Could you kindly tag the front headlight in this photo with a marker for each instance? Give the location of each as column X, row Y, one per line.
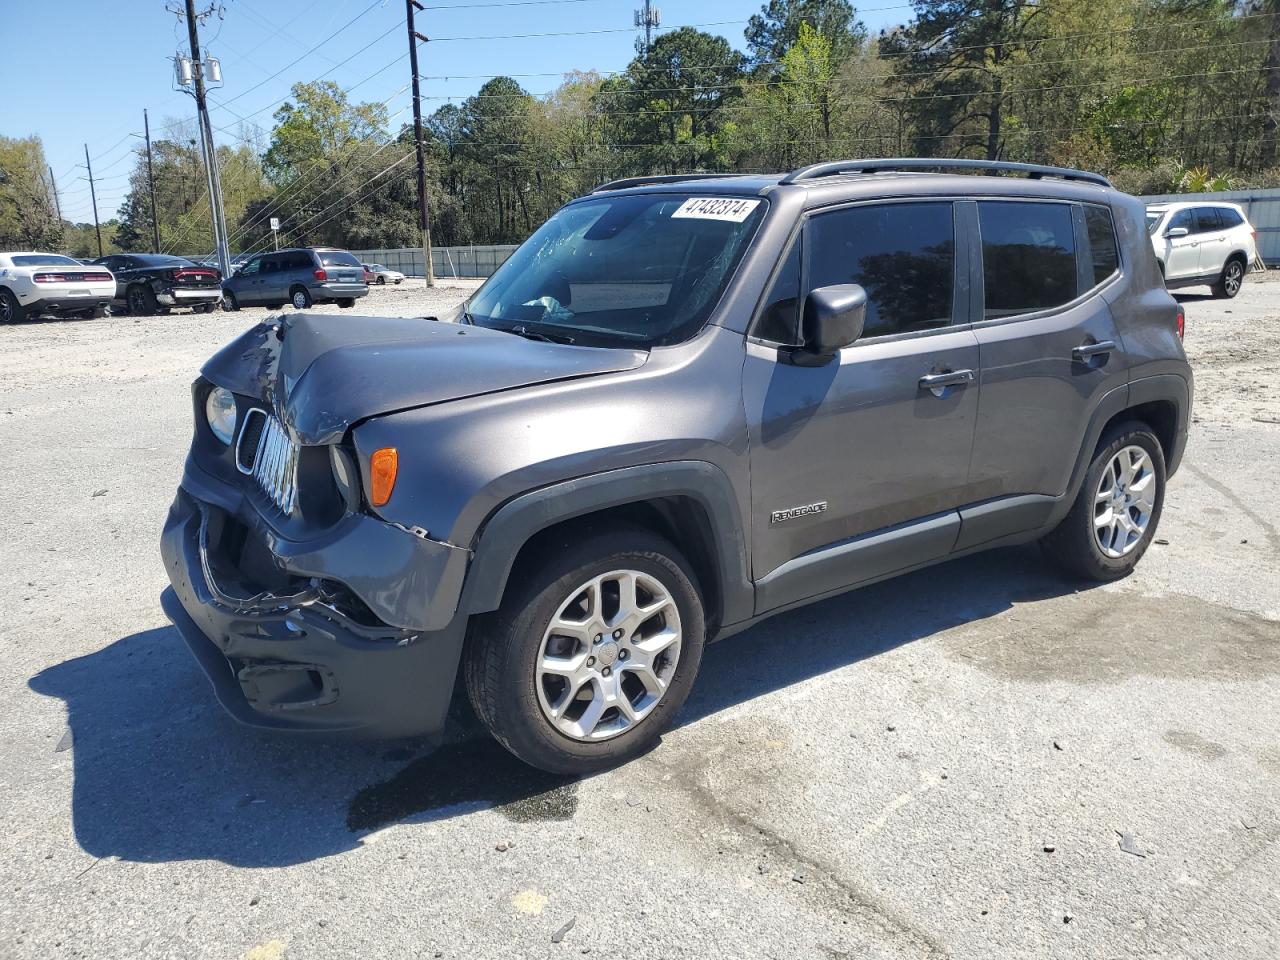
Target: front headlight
column 220, row 411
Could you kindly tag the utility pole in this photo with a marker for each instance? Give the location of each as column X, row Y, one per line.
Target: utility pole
column 57, row 204
column 424, row 212
column 206, row 141
column 650, row 18
column 93, row 194
column 151, row 184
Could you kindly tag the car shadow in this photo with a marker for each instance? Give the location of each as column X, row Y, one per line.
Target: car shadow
column 161, row 773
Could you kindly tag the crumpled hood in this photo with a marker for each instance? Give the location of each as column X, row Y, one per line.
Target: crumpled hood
column 322, row 373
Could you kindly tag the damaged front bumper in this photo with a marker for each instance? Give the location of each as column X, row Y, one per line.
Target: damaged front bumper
column 353, row 632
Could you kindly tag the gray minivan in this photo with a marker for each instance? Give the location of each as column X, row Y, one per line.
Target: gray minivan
column 301, row 276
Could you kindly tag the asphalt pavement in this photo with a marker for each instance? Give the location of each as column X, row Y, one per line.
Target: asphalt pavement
column 979, row 760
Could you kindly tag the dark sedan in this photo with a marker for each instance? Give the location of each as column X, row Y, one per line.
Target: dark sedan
column 150, row 283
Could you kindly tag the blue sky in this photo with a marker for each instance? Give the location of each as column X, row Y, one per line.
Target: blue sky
column 86, row 75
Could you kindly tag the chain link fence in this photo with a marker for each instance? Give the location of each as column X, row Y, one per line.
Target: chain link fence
column 469, row 261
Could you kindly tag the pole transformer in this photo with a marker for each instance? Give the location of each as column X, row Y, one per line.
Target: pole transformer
column 206, row 141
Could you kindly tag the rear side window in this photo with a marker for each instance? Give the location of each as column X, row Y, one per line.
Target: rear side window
column 300, row 260
column 903, row 255
column 1207, row 220
column 1102, row 242
column 1230, row 218
column 1028, row 257
column 780, row 319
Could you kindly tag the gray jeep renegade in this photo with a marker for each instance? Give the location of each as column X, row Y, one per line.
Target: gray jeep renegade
column 684, row 404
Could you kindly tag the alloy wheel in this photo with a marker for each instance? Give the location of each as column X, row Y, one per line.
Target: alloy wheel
column 1124, row 501
column 1233, row 278
column 300, row 300
column 608, row 655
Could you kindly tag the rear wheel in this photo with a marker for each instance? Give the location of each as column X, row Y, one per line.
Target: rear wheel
column 203, row 308
column 11, row 310
column 1231, row 281
column 382, row 281
column 347, row 302
column 591, row 655
column 300, row 297
column 141, row 300
column 1116, row 512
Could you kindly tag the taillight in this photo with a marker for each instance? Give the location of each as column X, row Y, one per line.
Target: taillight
column 49, row 278
column 1182, row 321
column 321, row 274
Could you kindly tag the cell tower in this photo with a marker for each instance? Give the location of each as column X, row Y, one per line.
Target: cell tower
column 650, row 18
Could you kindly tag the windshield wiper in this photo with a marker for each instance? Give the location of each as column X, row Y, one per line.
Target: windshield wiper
column 520, row 330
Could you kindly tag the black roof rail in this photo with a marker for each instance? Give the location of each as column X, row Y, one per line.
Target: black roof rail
column 1035, row 171
column 662, row 178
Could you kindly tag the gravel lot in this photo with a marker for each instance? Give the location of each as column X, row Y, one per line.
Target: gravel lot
column 953, row 763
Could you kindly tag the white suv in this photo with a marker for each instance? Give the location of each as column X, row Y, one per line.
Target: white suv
column 1202, row 243
column 36, row 283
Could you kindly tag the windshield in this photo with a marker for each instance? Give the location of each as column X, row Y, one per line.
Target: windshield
column 1153, row 219
column 639, row 270
column 44, row 260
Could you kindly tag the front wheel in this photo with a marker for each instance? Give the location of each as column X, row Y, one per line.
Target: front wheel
column 1230, row 282
column 1115, row 514
column 229, row 301
column 591, row 655
column 300, row 298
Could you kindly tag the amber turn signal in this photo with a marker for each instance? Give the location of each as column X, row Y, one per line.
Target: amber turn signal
column 382, row 475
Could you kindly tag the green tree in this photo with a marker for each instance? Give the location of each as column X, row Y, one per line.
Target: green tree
column 28, row 214
column 776, row 28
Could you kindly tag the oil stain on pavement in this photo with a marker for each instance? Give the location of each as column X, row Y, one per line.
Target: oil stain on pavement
column 475, row 772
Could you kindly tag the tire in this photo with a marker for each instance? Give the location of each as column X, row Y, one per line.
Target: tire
column 1077, row 543
column 1231, row 280
column 229, row 301
column 141, row 300
column 300, row 297
column 515, row 700
column 101, row 313
column 346, row 303
column 11, row 311
column 382, row 281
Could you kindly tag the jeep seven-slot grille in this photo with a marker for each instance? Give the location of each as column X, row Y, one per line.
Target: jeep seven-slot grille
column 269, row 455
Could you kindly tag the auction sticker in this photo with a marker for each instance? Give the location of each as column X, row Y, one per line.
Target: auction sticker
column 733, row 209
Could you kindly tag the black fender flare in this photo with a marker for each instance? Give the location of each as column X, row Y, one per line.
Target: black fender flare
column 511, row 526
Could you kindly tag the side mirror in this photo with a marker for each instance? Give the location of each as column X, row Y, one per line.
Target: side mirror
column 1173, row 233
column 833, row 318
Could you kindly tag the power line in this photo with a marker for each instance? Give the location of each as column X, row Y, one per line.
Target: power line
column 579, row 33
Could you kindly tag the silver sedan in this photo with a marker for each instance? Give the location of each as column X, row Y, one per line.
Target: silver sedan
column 382, row 275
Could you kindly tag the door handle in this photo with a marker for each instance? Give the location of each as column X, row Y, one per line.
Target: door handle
column 1086, row 351
column 937, row 383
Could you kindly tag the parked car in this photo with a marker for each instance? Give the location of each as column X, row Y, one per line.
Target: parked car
column 383, row 275
column 301, row 276
column 368, row 274
column 150, row 283
column 32, row 284
column 1203, row 243
column 682, row 405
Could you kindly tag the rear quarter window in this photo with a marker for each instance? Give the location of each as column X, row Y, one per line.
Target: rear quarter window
column 1102, row 242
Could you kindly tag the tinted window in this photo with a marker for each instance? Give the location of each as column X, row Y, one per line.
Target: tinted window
column 298, row 260
column 1102, row 242
column 1207, row 220
column 1230, row 218
column 253, row 266
column 779, row 321
column 903, row 255
column 1183, row 219
column 338, row 258
column 1028, row 257
column 1153, row 220
column 161, row 260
